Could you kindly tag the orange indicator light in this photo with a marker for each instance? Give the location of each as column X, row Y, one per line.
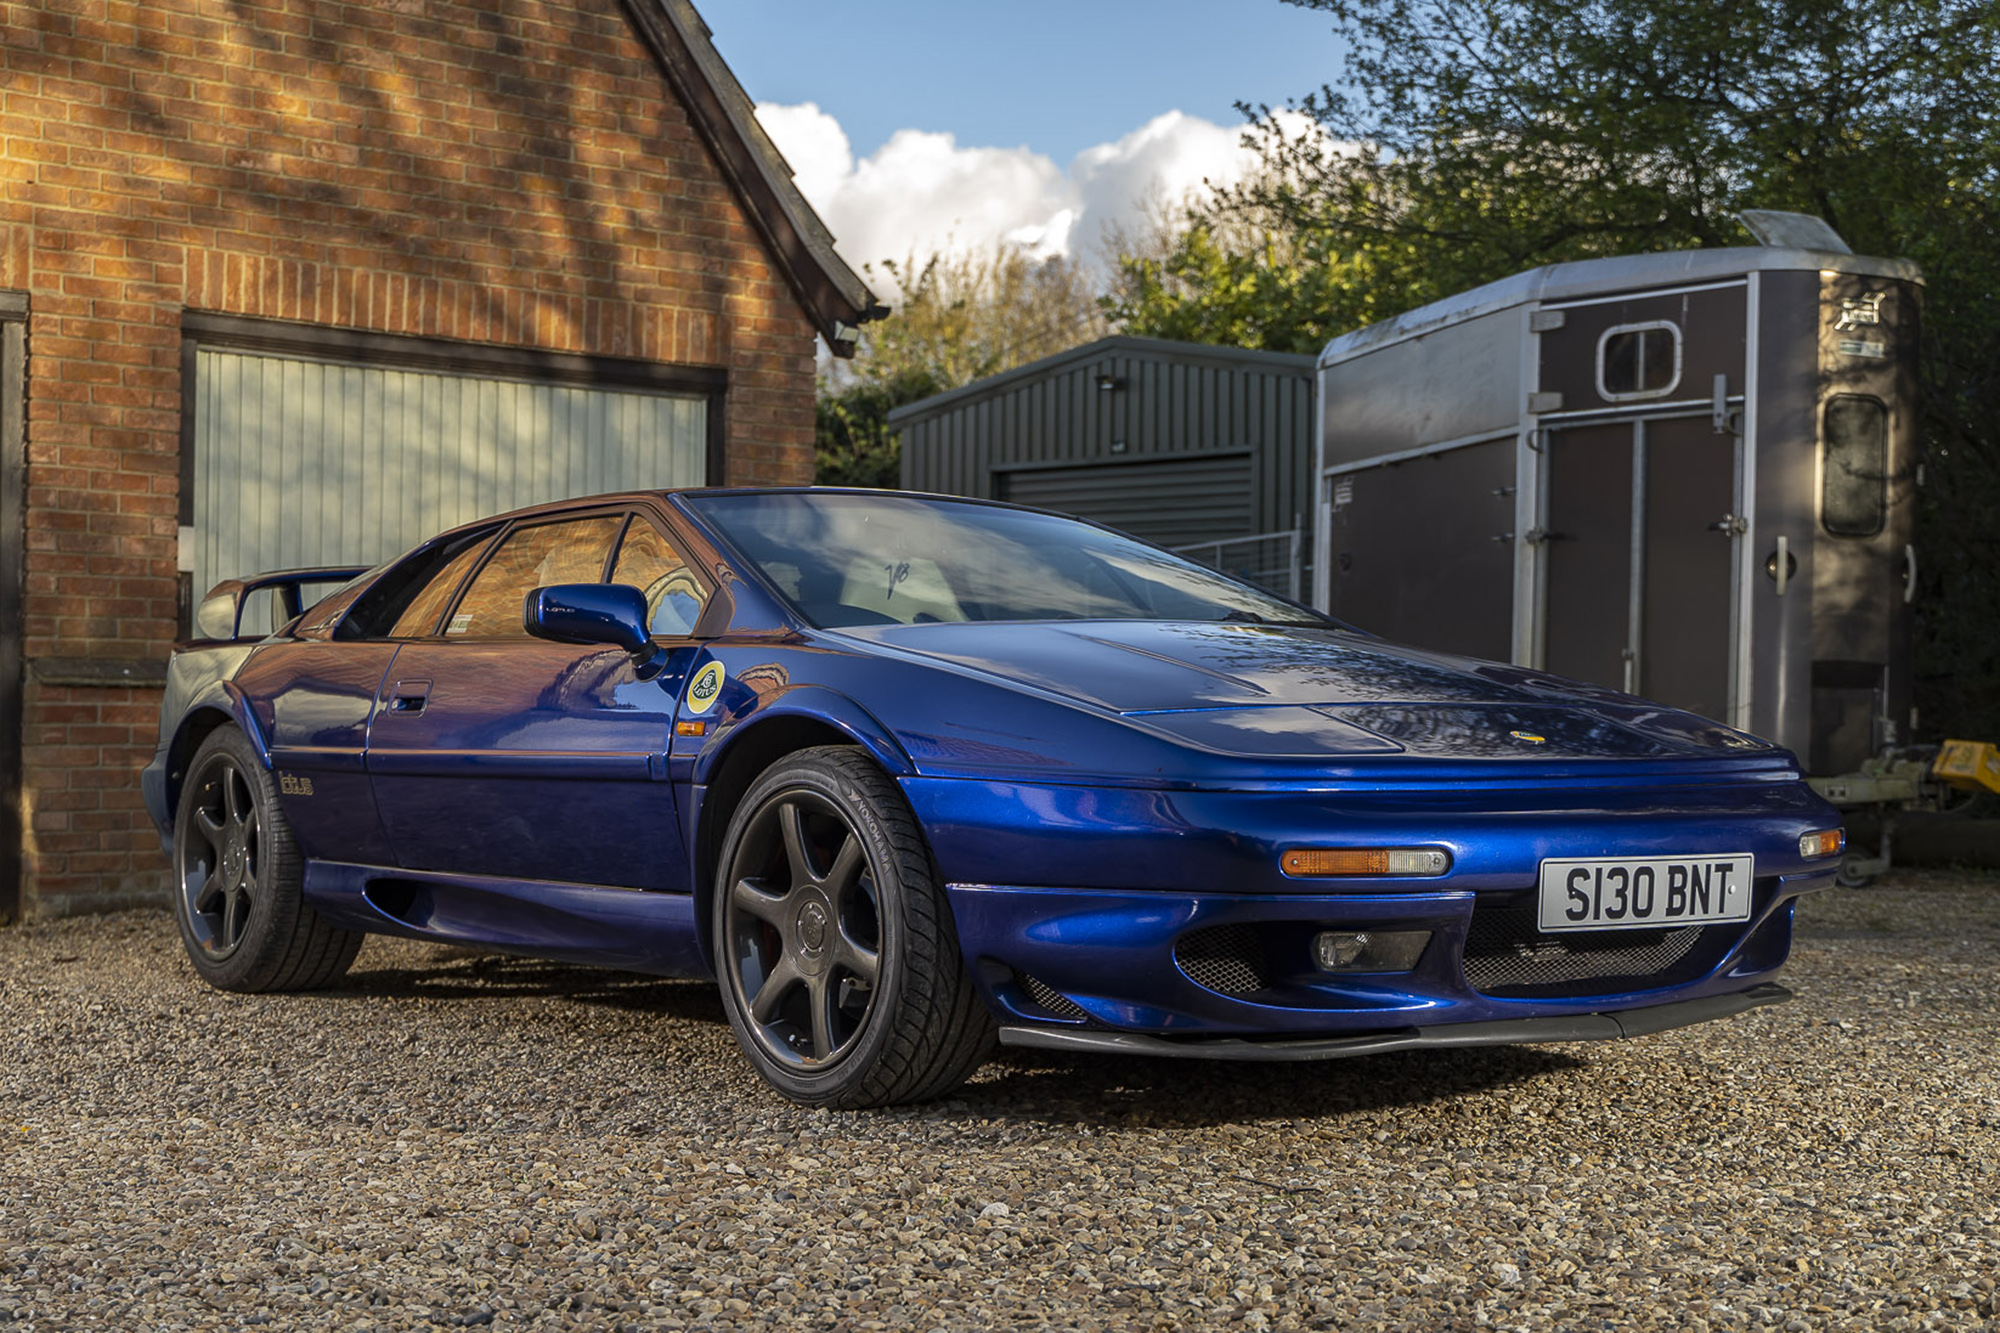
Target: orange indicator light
column 1827, row 842
column 690, row 728
column 1331, row 862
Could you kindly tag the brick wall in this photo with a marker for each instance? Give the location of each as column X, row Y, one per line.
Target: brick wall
column 504, row 171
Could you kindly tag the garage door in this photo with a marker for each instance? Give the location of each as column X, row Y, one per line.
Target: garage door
column 1171, row 502
column 301, row 463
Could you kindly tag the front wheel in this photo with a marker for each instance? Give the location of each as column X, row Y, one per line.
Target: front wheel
column 838, row 959
column 238, row 880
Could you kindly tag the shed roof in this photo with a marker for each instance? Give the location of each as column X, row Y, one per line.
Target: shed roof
column 1233, row 358
column 833, row 294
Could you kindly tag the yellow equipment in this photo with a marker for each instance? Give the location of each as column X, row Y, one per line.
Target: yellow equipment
column 1968, row 765
column 1909, row 779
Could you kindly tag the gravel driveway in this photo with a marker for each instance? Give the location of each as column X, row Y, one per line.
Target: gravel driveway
column 454, row 1141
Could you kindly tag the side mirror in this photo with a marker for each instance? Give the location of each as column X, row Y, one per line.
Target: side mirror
column 612, row 613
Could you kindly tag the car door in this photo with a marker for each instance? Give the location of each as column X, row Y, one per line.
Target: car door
column 493, row 753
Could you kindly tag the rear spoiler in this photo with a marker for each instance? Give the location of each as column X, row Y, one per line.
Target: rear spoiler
column 220, row 615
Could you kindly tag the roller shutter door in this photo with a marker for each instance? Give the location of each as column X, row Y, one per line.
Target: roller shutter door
column 302, row 463
column 1171, row 502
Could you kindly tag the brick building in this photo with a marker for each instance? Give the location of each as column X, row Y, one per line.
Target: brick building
column 232, row 230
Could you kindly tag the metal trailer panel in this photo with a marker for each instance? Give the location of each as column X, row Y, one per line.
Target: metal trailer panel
column 1710, row 342
column 1451, row 515
column 1862, row 583
column 1446, row 384
column 1786, row 410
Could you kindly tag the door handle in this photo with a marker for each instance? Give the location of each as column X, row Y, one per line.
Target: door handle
column 409, row 696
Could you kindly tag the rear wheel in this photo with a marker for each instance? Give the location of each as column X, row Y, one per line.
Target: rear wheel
column 839, row 962
column 238, row 880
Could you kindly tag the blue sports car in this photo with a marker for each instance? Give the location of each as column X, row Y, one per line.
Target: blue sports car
column 908, row 774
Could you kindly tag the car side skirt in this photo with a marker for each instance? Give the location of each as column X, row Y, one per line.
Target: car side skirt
column 1500, row 1032
column 633, row 930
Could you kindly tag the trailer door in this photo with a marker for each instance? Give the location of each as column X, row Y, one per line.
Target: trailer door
column 1640, row 544
column 1642, row 492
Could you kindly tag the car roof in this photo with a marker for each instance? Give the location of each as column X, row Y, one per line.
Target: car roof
column 611, row 499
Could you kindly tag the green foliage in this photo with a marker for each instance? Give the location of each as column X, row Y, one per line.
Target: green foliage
column 1479, row 138
column 855, row 446
column 962, row 317
column 1275, row 293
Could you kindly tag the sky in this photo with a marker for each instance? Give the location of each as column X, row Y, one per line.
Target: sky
column 917, row 127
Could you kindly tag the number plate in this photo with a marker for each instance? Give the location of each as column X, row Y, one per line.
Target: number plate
column 1630, row 893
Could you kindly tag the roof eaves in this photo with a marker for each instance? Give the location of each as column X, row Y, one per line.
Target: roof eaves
column 833, row 294
column 1300, row 362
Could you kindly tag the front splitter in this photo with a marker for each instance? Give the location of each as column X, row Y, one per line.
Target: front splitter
column 1503, row 1032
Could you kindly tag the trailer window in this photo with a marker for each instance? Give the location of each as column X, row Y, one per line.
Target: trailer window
column 1854, row 475
column 1638, row 361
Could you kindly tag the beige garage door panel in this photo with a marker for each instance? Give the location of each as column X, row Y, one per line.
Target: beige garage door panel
column 303, row 463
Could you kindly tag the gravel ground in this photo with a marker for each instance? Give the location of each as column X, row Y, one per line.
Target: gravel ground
column 453, row 1141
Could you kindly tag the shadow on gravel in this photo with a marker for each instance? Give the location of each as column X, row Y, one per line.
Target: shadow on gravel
column 1026, row 1086
column 1043, row 1086
column 498, row 977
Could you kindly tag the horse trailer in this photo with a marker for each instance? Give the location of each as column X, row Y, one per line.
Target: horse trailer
column 1689, row 476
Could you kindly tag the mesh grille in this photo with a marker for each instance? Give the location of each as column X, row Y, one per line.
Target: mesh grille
column 1229, row 959
column 1507, row 954
column 1051, row 999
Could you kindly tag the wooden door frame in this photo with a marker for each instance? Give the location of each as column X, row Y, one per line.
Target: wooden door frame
column 13, row 574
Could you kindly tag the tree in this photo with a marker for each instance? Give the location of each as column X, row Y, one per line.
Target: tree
column 1206, row 275
column 963, row 316
column 1466, row 140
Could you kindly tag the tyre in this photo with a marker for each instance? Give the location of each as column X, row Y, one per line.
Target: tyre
column 835, row 948
column 238, row 880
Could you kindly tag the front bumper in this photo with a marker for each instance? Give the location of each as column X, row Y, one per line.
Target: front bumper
column 1126, row 911
column 1087, row 964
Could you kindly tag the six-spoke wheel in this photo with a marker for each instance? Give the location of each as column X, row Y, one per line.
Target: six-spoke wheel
column 840, row 967
column 218, row 865
column 238, row 879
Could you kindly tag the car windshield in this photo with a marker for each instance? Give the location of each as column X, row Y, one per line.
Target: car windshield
column 846, row 559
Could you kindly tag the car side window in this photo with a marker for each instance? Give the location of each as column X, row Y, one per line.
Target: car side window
column 530, row 558
column 435, row 568
column 420, row 617
column 648, row 561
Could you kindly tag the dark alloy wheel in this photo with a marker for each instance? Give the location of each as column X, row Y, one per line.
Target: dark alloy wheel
column 839, row 964
column 238, row 879
column 218, row 865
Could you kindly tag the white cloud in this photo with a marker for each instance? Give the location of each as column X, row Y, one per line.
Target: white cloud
column 921, row 192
